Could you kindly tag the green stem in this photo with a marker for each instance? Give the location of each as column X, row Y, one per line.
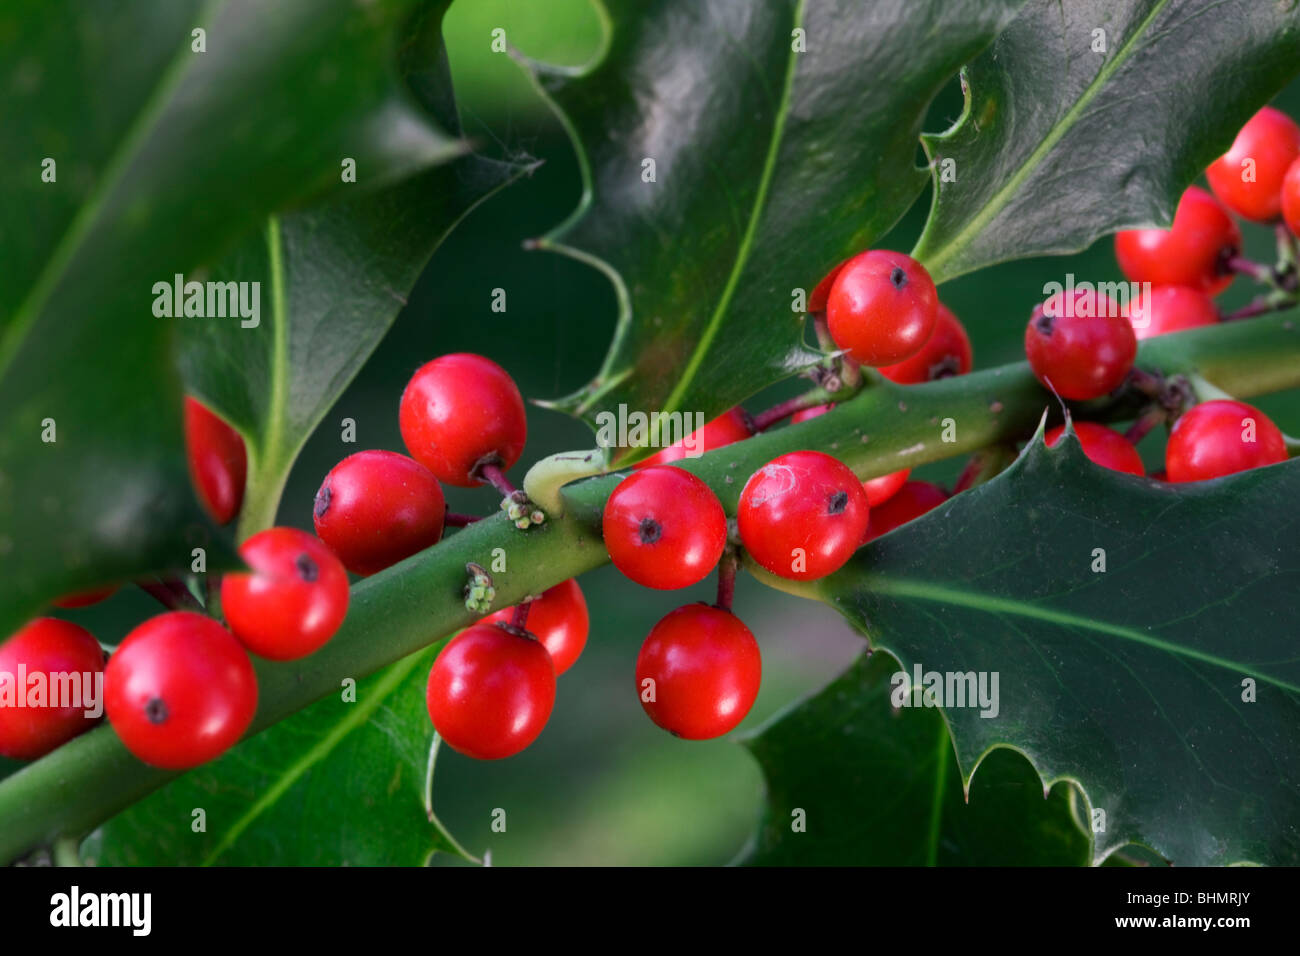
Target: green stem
column 411, row 605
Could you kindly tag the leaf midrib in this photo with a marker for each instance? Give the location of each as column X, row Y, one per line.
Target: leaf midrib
column 751, row 229
column 355, row 716
column 994, row 206
column 926, row 591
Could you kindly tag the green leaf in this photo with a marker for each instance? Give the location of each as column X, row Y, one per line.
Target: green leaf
column 336, row 276
column 337, row 784
column 770, row 166
column 880, row 786
column 1166, row 685
column 165, row 158
column 1090, row 116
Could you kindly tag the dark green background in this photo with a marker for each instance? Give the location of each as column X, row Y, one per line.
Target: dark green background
column 603, row 785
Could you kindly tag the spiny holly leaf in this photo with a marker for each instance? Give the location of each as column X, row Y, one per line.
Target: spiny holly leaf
column 338, row 784
column 1090, row 116
column 197, row 138
column 733, row 151
column 1143, row 634
column 335, row 276
column 869, row 783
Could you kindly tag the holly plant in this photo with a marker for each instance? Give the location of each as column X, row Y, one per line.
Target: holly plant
column 1079, row 649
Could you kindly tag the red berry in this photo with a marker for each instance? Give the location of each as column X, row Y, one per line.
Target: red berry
column 490, row 692
column 85, row 598
column 558, row 619
column 69, row 658
column 882, row 307
column 1104, row 446
column 1291, row 198
column 1171, row 308
column 879, row 489
column 947, row 352
column 802, row 515
column 179, row 690
column 376, row 508
column 217, row 459
column 1193, row 251
column 698, row 672
column 912, row 500
column 1083, row 348
column 293, row 601
column 822, row 292
column 664, row 528
column 728, row 428
column 460, row 411
column 1248, row 177
column 1219, row 438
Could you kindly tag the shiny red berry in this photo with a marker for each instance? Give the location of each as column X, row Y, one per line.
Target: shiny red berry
column 1291, row 198
column 490, row 692
column 461, row 411
column 1248, row 177
column 912, row 500
column 802, row 515
column 1220, row 438
column 1171, row 308
column 1193, row 251
column 698, row 672
column 1103, row 446
column 217, row 459
column 37, row 716
column 375, row 508
column 179, row 690
column 946, row 352
column 727, row 429
column 558, row 619
column 294, row 599
column 664, row 528
column 1083, row 347
column 882, row 307
column 879, row 490
column 85, row 598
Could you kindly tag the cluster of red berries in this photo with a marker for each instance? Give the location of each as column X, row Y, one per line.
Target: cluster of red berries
column 1083, row 345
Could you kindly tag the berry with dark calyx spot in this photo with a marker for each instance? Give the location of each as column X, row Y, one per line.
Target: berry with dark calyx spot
column 1248, row 177
column 1082, row 347
column 698, row 672
column 179, row 690
column 558, row 619
column 218, row 461
column 802, row 515
column 912, row 500
column 376, row 508
column 1193, row 251
column 946, row 353
column 1221, row 437
column 728, row 428
column 664, row 528
column 491, row 691
column 1171, row 308
column 879, row 490
column 69, row 657
column 1104, row 446
column 460, row 412
column 294, row 599
column 882, row 307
